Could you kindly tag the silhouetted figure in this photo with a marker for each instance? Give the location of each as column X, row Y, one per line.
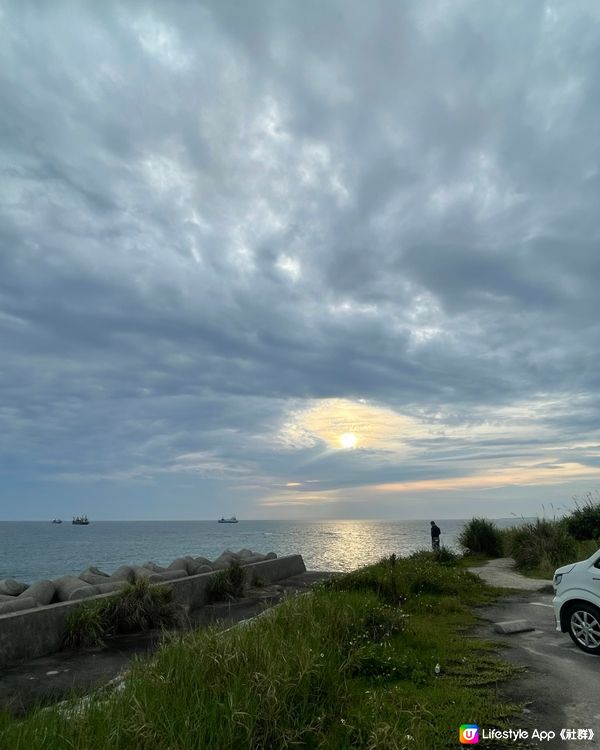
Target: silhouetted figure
column 435, row 536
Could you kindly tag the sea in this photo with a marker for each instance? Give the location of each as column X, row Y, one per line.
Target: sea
column 31, row 550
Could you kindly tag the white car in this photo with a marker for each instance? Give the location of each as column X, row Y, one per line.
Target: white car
column 577, row 602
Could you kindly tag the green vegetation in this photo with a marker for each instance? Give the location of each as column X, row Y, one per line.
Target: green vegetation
column 481, row 537
column 139, row 606
column 343, row 667
column 144, row 606
column 227, row 584
column 443, row 556
column 583, row 523
column 88, row 626
column 540, row 546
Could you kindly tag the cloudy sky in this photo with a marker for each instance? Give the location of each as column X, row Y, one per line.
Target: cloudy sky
column 298, row 260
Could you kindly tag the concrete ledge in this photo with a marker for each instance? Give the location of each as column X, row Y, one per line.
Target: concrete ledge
column 191, row 591
column 37, row 632
column 510, row 627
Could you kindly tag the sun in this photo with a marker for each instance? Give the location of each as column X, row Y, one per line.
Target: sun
column 348, row 440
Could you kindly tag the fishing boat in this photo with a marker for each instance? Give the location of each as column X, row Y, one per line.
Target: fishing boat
column 56, row 520
column 233, row 519
column 80, row 520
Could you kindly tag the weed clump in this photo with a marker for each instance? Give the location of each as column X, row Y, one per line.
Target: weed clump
column 143, row 606
column 138, row 607
column 481, row 537
column 227, row 584
column 88, row 626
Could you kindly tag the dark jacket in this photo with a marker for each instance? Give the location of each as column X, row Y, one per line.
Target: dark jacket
column 435, row 531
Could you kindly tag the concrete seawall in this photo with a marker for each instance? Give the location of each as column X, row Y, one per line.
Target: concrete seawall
column 37, row 632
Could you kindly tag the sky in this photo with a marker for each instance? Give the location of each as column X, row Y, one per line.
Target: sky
column 314, row 260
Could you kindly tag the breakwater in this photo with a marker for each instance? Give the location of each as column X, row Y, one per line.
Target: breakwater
column 16, row 596
column 39, row 629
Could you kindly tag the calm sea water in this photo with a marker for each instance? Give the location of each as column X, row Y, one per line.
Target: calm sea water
column 30, row 550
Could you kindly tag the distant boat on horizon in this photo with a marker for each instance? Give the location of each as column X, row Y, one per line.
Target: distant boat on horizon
column 56, row 520
column 233, row 519
column 80, row 520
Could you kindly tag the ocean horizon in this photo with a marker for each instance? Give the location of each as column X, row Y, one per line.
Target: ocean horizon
column 32, row 550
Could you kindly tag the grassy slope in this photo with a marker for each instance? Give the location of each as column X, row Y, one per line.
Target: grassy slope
column 344, row 667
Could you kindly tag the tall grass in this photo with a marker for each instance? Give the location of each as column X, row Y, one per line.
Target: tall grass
column 139, row 606
column 88, row 626
column 144, row 606
column 226, row 584
column 481, row 537
column 583, row 523
column 343, row 667
column 542, row 545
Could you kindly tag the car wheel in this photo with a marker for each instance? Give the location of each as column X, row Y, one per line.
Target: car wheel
column 584, row 627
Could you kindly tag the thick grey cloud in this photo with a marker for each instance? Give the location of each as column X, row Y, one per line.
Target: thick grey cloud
column 214, row 216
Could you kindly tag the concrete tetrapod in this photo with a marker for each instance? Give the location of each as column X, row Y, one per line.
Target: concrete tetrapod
column 85, row 592
column 151, row 565
column 181, row 563
column 41, row 591
column 10, row 587
column 66, row 585
column 124, row 573
column 93, row 575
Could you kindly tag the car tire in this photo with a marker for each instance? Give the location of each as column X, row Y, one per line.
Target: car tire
column 584, row 627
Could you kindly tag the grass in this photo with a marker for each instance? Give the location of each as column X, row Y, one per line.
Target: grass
column 351, row 665
column 139, row 606
column 540, row 546
column 481, row 537
column 472, row 561
column 583, row 522
column 545, row 567
column 88, row 626
column 227, row 584
column 144, row 606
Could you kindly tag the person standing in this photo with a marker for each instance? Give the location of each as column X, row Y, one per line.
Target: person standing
column 435, row 536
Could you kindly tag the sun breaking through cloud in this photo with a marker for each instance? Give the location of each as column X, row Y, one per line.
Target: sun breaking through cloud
column 327, row 259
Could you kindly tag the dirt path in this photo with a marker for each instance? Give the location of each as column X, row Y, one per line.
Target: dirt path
column 501, row 573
